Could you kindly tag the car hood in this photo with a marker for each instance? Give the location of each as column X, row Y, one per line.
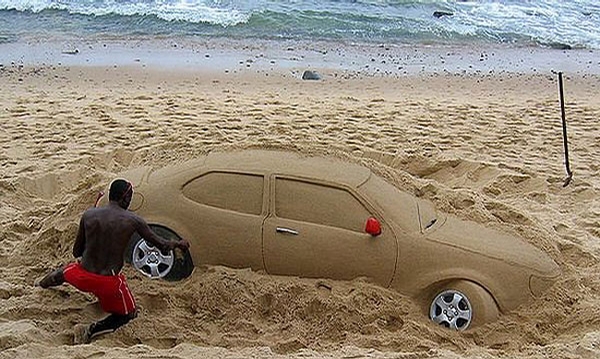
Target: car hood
column 473, row 237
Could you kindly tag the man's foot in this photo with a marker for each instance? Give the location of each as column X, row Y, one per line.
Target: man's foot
column 81, row 334
column 52, row 279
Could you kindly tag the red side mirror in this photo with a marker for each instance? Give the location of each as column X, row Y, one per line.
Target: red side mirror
column 373, row 227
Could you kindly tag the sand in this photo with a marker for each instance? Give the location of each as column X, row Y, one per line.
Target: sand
column 480, row 138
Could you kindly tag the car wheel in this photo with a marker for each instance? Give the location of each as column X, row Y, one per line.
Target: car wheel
column 461, row 305
column 153, row 263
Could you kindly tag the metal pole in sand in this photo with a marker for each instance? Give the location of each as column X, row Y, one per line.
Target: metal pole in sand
column 564, row 126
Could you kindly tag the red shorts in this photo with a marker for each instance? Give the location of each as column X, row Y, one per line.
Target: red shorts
column 112, row 291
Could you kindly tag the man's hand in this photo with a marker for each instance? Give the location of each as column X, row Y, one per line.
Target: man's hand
column 182, row 244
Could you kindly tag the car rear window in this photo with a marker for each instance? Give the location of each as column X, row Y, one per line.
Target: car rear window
column 237, row 192
column 320, row 204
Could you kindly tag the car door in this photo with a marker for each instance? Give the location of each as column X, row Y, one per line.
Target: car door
column 317, row 230
column 226, row 210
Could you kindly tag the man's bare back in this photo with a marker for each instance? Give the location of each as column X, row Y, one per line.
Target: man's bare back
column 104, row 234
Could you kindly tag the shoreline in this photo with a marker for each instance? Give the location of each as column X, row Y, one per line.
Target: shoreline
column 228, row 55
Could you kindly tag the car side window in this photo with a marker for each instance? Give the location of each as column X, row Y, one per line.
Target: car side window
column 320, row 204
column 237, row 192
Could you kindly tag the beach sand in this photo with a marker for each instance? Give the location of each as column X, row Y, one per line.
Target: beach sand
column 478, row 134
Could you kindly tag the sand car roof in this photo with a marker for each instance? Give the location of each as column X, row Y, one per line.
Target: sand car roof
column 273, row 162
column 290, row 163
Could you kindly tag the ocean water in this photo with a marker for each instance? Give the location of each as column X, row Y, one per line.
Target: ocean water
column 546, row 23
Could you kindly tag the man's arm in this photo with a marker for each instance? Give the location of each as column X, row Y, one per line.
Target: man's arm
column 79, row 245
column 145, row 232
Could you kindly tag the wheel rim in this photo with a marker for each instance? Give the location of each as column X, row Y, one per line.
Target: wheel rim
column 452, row 309
column 150, row 261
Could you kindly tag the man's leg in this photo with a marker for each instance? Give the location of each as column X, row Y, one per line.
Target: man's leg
column 110, row 324
column 85, row 333
column 52, row 279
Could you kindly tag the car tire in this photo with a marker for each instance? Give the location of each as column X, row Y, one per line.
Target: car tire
column 181, row 265
column 461, row 305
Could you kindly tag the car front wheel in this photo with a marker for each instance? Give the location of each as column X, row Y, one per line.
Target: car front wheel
column 154, row 263
column 461, row 305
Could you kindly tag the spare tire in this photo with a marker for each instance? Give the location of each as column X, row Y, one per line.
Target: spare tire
column 461, row 305
column 173, row 265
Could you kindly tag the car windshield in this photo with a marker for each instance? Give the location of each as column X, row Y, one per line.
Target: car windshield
column 428, row 215
column 397, row 205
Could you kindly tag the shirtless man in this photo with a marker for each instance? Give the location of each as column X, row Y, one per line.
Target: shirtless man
column 102, row 239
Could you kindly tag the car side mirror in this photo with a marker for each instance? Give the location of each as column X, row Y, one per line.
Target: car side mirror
column 373, row 227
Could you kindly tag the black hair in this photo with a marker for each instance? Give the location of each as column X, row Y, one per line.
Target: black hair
column 118, row 189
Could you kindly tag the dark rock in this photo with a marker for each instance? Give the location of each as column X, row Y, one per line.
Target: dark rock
column 559, row 46
column 310, row 75
column 439, row 14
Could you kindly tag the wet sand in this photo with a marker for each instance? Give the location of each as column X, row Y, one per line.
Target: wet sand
column 480, row 138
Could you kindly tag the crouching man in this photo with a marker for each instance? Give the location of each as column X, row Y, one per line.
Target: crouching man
column 102, row 239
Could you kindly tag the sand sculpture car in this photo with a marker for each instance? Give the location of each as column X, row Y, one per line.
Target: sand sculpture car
column 286, row 214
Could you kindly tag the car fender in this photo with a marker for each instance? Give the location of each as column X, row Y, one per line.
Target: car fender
column 419, row 274
column 494, row 286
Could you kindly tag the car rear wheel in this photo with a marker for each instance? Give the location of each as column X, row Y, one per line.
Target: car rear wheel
column 154, row 263
column 462, row 305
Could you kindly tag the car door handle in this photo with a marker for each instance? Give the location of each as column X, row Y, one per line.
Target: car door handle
column 286, row 230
